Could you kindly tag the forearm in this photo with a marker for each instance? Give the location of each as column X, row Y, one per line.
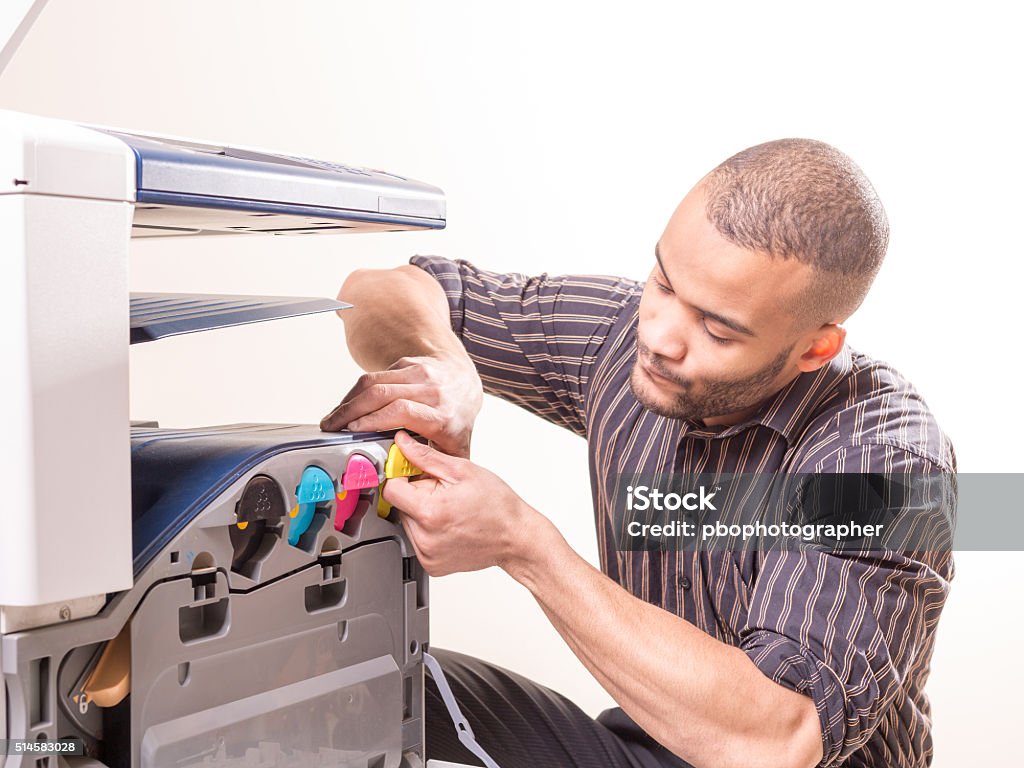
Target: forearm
column 419, row 376
column 702, row 699
column 396, row 313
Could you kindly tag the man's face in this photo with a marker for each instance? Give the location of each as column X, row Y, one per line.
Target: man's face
column 716, row 334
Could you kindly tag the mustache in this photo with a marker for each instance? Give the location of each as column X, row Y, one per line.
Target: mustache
column 655, row 363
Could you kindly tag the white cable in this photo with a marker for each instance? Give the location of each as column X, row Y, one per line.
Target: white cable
column 461, row 724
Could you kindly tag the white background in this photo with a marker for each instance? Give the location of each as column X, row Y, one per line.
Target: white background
column 564, row 134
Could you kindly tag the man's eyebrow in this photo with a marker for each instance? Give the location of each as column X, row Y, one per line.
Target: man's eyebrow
column 657, row 255
column 727, row 322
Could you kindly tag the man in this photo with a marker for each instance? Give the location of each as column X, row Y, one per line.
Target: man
column 730, row 358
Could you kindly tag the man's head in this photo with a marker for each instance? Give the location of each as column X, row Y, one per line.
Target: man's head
column 754, row 273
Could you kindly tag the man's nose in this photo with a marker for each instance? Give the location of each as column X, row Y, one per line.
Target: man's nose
column 666, row 341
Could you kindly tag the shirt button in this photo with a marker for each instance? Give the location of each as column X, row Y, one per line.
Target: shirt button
column 684, row 582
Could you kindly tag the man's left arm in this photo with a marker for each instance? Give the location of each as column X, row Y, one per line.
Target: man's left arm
column 702, row 699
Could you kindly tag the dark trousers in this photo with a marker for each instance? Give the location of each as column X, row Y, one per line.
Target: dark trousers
column 524, row 725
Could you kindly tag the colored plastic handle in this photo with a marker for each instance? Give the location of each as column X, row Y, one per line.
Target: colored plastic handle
column 399, row 466
column 359, row 474
column 316, row 486
column 383, row 507
column 345, row 507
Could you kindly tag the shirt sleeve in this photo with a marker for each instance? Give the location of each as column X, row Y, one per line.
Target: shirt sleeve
column 845, row 627
column 534, row 340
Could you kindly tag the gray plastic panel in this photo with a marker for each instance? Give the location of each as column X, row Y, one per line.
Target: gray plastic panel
column 156, row 315
column 270, row 645
column 362, row 700
column 223, row 643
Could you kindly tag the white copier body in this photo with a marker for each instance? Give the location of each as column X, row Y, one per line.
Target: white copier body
column 192, row 602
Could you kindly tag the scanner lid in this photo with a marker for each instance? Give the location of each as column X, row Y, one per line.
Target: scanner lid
column 184, row 187
column 188, row 187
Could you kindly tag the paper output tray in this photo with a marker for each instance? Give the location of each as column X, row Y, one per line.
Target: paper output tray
column 155, row 315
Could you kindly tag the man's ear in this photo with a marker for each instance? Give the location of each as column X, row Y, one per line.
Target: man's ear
column 826, row 343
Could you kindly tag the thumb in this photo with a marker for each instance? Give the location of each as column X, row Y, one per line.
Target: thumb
column 430, row 460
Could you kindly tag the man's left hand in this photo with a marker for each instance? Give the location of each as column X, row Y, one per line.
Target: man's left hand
column 459, row 516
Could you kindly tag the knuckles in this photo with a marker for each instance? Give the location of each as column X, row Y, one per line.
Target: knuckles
column 430, row 375
column 434, row 517
column 406, row 362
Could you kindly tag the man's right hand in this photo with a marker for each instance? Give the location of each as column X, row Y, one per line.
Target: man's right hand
column 438, row 396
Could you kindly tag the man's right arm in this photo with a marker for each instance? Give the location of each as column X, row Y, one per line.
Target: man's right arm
column 433, row 332
column 419, row 376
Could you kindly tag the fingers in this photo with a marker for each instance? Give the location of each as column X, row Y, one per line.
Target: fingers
column 430, row 460
column 412, row 494
column 407, row 370
column 406, row 414
column 415, row 534
column 403, row 495
column 373, row 397
column 370, row 378
column 417, row 514
column 374, row 400
column 420, row 539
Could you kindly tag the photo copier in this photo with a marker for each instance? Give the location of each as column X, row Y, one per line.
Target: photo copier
column 230, row 596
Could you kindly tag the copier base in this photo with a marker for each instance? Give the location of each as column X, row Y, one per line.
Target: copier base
column 236, row 647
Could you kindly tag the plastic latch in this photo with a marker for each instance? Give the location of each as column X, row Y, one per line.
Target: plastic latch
column 383, row 507
column 261, row 502
column 315, row 487
column 399, row 466
column 360, row 474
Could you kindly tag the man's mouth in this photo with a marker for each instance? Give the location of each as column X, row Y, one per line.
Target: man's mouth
column 658, row 378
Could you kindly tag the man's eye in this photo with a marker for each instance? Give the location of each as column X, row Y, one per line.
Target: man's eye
column 661, row 287
column 716, row 339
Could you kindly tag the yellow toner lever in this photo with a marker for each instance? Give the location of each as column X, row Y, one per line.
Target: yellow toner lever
column 395, row 466
column 399, row 466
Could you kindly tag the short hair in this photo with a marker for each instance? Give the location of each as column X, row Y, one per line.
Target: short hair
column 806, row 200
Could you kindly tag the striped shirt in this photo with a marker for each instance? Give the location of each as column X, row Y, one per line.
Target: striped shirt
column 854, row 633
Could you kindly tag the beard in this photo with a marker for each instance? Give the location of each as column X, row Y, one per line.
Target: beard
column 717, row 397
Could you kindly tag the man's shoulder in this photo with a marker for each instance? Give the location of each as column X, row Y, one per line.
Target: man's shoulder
column 874, row 409
column 466, row 275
